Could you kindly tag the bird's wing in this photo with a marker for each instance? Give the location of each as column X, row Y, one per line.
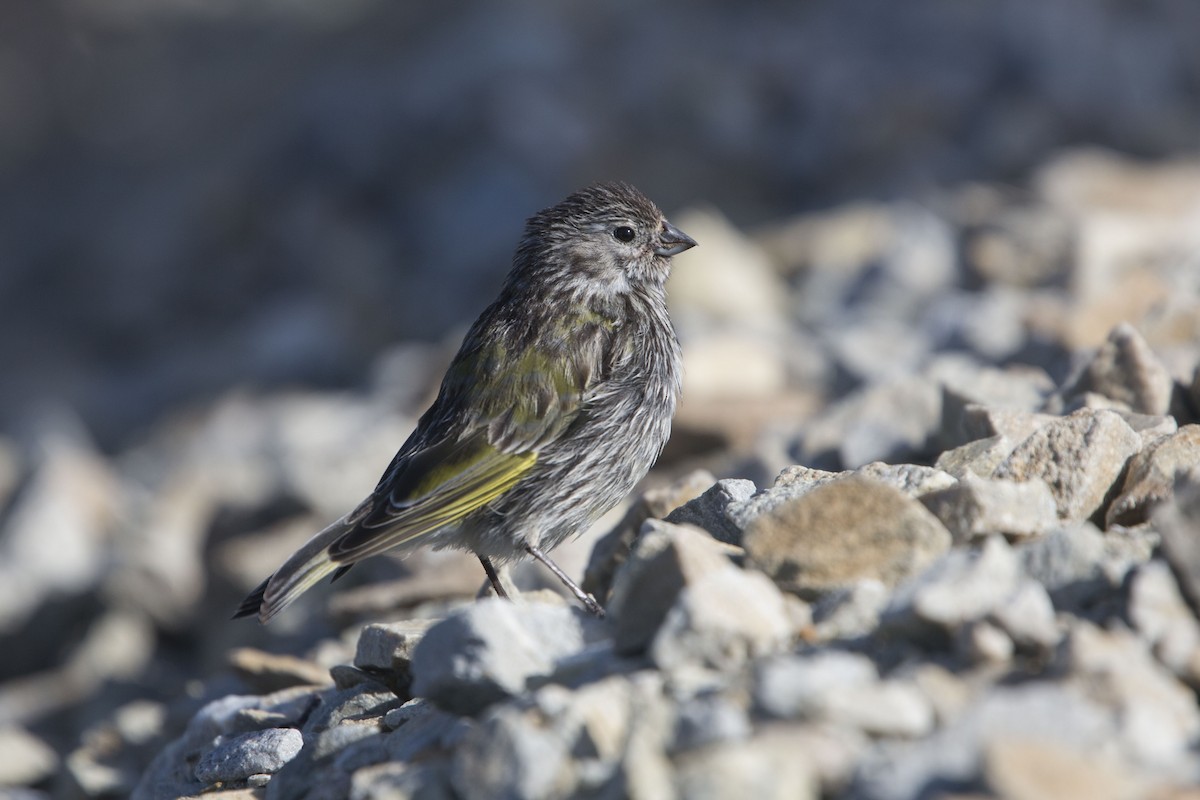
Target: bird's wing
column 509, row 410
column 430, row 489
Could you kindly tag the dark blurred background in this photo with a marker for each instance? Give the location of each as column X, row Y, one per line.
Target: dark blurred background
column 201, row 194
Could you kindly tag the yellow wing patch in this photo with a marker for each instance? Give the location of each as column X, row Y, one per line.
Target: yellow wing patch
column 440, row 487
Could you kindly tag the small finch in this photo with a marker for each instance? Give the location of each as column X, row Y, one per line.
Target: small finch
column 558, row 402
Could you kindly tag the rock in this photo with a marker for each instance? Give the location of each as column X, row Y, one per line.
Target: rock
column 979, row 457
column 772, row 766
column 1159, row 613
column 255, row 753
column 1027, row 617
column 982, row 642
column 1150, row 427
column 887, row 421
column 974, row 398
column 850, row 612
column 1159, row 718
column 1177, row 523
column 1125, row 369
column 842, row 689
column 950, row 755
column 722, row 620
column 1152, row 474
column 27, row 760
column 512, row 754
column 271, row 672
column 386, row 649
column 171, row 773
column 343, row 734
column 665, row 559
column 792, row 686
column 708, row 719
column 974, row 422
column 960, row 587
column 976, row 507
column 708, row 511
column 612, row 550
column 843, row 532
column 490, row 650
column 1016, row 768
column 912, row 479
column 428, row 780
column 879, row 350
column 734, row 364
column 56, row 530
column 710, row 294
column 1068, row 562
column 1080, row 457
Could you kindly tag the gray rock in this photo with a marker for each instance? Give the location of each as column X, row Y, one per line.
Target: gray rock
column 709, row 719
column 341, row 735
column 418, row 731
column 975, row 421
column 974, row 398
column 842, row 689
column 386, row 650
column 793, row 686
column 1177, row 523
column 27, row 759
column 665, row 559
column 255, row 753
column 1159, row 718
column 981, row 642
column 962, row 586
column 1160, row 615
column 427, row 780
column 887, row 421
column 491, row 649
column 1125, row 369
column 1152, row 475
column 797, row 480
column 843, row 532
column 708, row 511
column 1080, row 457
column 976, row 507
column 850, row 612
column 56, row 530
column 1068, row 562
column 1151, row 427
column 612, row 550
column 914, row 480
column 979, row 457
column 511, row 754
column 722, row 620
column 1027, row 617
column 1041, row 711
column 171, row 772
column 773, row 765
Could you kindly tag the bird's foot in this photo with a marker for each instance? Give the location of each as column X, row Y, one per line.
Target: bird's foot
column 589, row 602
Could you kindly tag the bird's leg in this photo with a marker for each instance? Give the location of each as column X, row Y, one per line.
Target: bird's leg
column 493, row 576
column 588, row 601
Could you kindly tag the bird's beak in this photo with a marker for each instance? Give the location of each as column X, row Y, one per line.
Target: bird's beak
column 672, row 241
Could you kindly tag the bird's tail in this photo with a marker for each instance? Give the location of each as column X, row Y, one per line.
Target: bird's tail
column 298, row 574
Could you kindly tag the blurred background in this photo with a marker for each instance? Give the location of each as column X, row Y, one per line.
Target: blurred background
column 239, row 242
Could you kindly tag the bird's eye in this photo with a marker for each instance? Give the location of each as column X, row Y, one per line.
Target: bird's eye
column 623, row 233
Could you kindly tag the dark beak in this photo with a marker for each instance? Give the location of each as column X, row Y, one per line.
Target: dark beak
column 672, row 241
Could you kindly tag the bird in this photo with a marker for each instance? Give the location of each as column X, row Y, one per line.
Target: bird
column 558, row 402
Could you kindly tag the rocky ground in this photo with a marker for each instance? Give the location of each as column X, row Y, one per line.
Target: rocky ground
column 953, row 550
